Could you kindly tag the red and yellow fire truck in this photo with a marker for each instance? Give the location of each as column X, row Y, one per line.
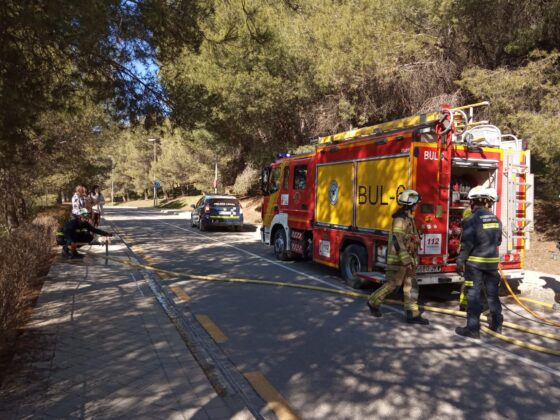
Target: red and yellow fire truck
column 334, row 205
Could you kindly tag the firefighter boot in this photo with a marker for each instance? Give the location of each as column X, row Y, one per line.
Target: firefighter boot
column 495, row 323
column 374, row 310
column 415, row 319
column 65, row 251
column 465, row 332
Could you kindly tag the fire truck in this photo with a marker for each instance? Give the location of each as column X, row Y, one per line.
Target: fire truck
column 334, row 205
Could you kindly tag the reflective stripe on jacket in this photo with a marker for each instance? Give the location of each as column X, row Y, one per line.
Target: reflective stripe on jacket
column 482, row 235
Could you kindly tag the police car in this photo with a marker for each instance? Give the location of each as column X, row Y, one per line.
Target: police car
column 217, row 211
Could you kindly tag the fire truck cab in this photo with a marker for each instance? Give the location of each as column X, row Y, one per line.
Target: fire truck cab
column 335, row 204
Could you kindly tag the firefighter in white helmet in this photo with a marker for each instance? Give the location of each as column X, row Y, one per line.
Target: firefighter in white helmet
column 478, row 260
column 492, row 198
column 402, row 260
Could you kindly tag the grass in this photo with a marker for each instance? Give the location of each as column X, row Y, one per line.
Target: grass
column 181, row 203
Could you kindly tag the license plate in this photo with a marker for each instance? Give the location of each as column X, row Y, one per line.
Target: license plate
column 428, row 269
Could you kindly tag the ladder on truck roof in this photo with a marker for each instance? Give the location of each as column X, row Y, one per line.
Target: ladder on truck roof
column 400, row 124
column 518, row 185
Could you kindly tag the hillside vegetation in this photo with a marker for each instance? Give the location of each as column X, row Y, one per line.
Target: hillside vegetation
column 85, row 85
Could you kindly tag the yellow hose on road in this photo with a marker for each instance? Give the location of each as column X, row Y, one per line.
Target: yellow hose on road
column 536, row 302
column 520, row 343
column 452, row 312
column 536, row 315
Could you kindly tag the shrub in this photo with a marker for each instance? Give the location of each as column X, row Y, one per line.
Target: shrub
column 247, row 182
column 24, row 255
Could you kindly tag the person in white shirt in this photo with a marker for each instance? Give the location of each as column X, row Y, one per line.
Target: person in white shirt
column 98, row 201
column 78, row 201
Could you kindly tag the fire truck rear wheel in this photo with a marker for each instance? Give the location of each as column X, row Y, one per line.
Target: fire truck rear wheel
column 353, row 260
column 280, row 245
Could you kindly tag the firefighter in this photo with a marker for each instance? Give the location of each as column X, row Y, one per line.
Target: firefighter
column 76, row 232
column 463, row 293
column 478, row 261
column 402, row 259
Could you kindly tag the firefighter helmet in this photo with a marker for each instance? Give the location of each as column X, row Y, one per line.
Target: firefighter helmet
column 409, row 198
column 492, row 194
column 480, row 193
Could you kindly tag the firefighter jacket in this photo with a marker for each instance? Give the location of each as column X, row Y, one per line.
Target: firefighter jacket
column 404, row 240
column 74, row 227
column 482, row 234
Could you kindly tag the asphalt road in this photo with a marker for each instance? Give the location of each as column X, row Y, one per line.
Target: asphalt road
column 323, row 353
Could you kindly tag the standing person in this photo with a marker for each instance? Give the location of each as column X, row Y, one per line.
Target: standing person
column 98, row 201
column 402, row 260
column 463, row 292
column 478, row 261
column 78, row 200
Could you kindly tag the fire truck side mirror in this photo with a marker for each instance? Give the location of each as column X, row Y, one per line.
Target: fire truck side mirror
column 265, row 175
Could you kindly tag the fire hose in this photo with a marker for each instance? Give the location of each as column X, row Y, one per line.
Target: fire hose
column 517, row 327
column 520, row 303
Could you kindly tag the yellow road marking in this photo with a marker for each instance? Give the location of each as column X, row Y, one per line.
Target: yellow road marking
column 138, row 249
column 180, row 293
column 275, row 401
column 149, row 259
column 211, row 328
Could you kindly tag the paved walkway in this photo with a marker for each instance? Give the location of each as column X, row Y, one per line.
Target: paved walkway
column 100, row 346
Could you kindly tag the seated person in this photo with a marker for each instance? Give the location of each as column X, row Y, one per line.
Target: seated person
column 77, row 232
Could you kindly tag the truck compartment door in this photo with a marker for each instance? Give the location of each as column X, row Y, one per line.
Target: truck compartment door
column 379, row 182
column 335, row 189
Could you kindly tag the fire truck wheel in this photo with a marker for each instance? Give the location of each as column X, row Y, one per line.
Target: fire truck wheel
column 280, row 249
column 353, row 260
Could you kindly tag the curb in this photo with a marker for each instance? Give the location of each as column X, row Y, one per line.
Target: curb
column 220, row 371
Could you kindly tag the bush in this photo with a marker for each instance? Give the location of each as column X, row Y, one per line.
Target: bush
column 24, row 255
column 247, row 182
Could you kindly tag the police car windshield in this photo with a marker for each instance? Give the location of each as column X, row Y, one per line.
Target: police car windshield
column 223, row 202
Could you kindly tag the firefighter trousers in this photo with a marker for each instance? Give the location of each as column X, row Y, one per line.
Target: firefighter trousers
column 395, row 277
column 477, row 280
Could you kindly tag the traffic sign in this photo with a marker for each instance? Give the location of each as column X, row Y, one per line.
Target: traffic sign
column 157, row 184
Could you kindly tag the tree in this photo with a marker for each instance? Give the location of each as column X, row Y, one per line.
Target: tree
column 526, row 100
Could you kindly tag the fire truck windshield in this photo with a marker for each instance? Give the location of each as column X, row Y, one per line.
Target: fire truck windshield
column 274, row 184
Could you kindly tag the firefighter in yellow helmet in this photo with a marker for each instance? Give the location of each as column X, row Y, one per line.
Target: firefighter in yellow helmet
column 402, row 260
